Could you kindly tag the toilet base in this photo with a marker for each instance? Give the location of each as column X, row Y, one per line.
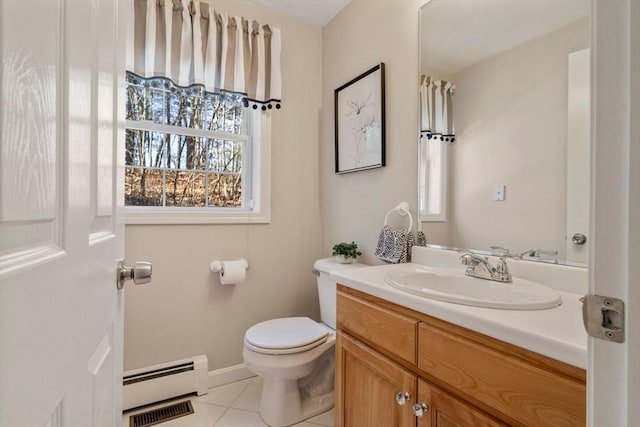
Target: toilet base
column 289, row 401
column 283, row 404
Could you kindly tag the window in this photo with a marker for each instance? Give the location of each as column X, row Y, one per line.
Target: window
column 193, row 156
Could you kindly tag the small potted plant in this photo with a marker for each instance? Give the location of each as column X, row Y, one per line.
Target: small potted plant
column 346, row 253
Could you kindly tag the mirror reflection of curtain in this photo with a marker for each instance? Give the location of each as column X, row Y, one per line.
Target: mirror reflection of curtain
column 436, row 132
column 436, row 109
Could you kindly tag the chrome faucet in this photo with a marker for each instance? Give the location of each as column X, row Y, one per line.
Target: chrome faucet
column 542, row 255
column 480, row 267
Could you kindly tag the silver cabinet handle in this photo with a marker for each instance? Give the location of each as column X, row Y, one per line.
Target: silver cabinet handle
column 579, row 239
column 140, row 273
column 419, row 409
column 402, row 398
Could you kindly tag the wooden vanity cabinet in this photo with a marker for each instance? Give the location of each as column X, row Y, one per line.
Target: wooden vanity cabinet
column 448, row 375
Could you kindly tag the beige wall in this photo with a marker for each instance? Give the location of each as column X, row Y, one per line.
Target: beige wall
column 184, row 311
column 364, row 34
column 511, row 123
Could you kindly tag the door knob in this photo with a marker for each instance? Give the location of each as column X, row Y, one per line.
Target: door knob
column 140, row 273
column 402, row 398
column 419, row 409
column 579, row 239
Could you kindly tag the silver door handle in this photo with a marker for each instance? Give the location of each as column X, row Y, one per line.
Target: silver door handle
column 579, row 239
column 140, row 273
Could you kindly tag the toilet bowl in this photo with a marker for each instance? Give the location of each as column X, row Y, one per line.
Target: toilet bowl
column 295, row 357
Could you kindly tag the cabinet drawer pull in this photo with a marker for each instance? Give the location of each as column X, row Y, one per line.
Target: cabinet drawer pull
column 419, row 409
column 402, row 398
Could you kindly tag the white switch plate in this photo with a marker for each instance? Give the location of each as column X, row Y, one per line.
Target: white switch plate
column 498, row 193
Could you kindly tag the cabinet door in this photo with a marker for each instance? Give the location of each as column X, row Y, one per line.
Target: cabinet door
column 366, row 387
column 443, row 410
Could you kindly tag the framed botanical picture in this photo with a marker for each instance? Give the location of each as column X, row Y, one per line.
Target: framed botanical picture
column 359, row 122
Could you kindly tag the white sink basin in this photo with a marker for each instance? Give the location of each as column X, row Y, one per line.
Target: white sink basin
column 453, row 286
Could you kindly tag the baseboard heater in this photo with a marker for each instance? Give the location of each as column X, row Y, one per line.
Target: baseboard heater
column 165, row 381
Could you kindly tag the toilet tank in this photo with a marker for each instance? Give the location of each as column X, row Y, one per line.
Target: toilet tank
column 327, row 288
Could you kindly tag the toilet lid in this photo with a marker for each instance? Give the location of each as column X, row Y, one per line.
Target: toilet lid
column 286, row 335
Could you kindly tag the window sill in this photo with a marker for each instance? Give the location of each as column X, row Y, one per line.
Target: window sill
column 190, row 216
column 433, row 218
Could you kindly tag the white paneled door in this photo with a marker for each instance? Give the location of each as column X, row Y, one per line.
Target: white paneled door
column 61, row 135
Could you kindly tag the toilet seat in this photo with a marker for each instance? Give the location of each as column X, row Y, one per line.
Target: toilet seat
column 287, row 335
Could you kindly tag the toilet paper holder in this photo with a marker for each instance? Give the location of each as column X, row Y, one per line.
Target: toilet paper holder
column 218, row 267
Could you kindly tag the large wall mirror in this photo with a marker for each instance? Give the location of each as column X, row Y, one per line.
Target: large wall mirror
column 514, row 171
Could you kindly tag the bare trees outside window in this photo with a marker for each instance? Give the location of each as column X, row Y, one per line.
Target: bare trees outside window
column 185, row 147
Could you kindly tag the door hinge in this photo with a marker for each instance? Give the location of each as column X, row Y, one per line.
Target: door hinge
column 603, row 317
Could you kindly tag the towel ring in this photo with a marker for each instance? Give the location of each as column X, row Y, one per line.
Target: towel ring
column 402, row 209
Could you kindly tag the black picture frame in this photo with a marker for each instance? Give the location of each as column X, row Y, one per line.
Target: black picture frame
column 360, row 122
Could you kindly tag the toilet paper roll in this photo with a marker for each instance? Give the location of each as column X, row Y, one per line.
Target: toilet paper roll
column 233, row 272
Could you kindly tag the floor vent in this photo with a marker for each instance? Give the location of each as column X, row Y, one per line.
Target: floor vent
column 160, row 415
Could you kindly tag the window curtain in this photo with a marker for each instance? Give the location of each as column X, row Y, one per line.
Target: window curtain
column 190, row 43
column 436, row 110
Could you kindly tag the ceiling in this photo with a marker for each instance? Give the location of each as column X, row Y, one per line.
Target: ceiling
column 488, row 26
column 316, row 12
column 459, row 33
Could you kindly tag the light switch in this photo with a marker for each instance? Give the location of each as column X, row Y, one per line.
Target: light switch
column 498, row 193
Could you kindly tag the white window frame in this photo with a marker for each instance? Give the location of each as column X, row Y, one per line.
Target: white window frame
column 432, row 179
column 258, row 202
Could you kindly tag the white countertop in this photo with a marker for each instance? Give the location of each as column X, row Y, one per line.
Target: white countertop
column 557, row 332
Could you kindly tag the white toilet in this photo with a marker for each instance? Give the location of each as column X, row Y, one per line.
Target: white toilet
column 295, row 356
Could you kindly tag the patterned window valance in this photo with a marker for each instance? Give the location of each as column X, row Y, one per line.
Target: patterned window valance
column 191, row 44
column 436, row 110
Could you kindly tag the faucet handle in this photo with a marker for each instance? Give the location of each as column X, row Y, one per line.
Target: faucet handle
column 502, row 249
column 535, row 253
column 465, row 259
column 471, row 259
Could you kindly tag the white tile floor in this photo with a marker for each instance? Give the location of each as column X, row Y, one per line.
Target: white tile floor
column 230, row 405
